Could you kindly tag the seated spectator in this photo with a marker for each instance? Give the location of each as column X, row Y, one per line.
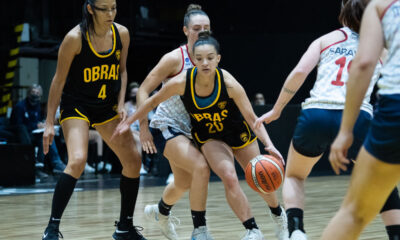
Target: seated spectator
column 28, row 113
column 259, row 99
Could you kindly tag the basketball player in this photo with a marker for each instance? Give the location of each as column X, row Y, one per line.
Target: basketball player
column 170, row 127
column 216, row 102
column 321, row 113
column 91, row 79
column 377, row 169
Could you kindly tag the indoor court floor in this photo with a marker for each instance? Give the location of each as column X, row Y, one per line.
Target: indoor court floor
column 91, row 213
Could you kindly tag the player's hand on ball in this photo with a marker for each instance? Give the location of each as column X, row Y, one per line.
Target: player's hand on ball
column 274, row 152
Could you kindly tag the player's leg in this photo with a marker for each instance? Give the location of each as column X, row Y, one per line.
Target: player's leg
column 298, row 167
column 371, row 182
column 278, row 214
column 76, row 137
column 221, row 160
column 191, row 171
column 124, row 147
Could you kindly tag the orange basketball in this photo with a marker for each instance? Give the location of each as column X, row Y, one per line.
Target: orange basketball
column 264, row 173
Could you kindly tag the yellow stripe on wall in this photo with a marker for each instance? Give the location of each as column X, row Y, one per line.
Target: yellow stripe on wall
column 19, row 28
column 9, row 75
column 12, row 63
column 6, row 97
column 14, row 51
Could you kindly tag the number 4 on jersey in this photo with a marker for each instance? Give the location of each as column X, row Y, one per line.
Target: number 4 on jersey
column 341, row 62
column 102, row 93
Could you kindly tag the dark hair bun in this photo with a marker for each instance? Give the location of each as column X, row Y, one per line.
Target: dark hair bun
column 193, row 7
column 204, row 34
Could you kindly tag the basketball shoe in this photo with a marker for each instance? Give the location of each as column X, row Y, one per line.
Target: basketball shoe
column 281, row 228
column 201, row 233
column 298, row 235
column 127, row 233
column 52, row 232
column 253, row 234
column 164, row 223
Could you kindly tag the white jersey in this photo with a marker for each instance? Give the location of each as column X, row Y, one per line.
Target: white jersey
column 329, row 91
column 389, row 83
column 172, row 112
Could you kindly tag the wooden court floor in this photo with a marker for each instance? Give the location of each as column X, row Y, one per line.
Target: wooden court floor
column 91, row 214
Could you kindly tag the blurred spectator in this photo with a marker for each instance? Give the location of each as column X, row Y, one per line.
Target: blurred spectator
column 28, row 113
column 259, row 99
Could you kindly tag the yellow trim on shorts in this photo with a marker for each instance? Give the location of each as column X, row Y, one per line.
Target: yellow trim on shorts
column 198, row 139
column 94, row 51
column 193, row 92
column 83, row 117
column 248, row 141
column 106, row 121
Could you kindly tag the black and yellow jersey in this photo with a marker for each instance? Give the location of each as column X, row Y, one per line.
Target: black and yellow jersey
column 216, row 118
column 94, row 78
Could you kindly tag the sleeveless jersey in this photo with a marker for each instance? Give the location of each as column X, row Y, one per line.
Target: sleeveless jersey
column 93, row 78
column 389, row 83
column 329, row 91
column 171, row 112
column 219, row 119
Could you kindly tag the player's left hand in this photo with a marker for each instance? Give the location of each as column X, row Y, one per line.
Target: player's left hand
column 275, row 153
column 339, row 148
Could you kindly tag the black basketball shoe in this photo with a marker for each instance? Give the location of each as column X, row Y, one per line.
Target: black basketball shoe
column 52, row 232
column 127, row 233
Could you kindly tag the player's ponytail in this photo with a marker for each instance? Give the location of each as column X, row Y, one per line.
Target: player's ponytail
column 206, row 38
column 87, row 20
column 193, row 9
column 351, row 13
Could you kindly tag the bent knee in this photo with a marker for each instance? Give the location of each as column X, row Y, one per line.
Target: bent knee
column 229, row 178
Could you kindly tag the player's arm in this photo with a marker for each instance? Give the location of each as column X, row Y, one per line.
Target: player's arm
column 70, row 46
column 363, row 66
column 294, row 81
column 125, row 39
column 166, row 67
column 175, row 86
column 239, row 96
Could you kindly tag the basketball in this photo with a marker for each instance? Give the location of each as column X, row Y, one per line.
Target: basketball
column 264, row 173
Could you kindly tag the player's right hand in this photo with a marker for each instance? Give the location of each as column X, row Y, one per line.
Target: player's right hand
column 268, row 117
column 338, row 154
column 48, row 136
column 146, row 139
column 122, row 127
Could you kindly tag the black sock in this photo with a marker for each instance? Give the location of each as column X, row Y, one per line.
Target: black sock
column 129, row 188
column 393, row 232
column 276, row 211
column 164, row 208
column 199, row 218
column 62, row 193
column 250, row 224
column 295, row 220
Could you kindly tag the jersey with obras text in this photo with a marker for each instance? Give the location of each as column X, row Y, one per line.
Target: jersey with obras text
column 94, row 78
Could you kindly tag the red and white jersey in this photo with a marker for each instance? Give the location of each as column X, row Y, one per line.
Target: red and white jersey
column 389, row 83
column 172, row 112
column 329, row 91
